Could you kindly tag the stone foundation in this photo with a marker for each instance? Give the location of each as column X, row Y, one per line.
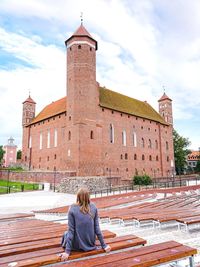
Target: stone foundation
column 94, row 183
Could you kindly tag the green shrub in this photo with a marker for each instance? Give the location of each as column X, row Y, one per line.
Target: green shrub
column 142, row 180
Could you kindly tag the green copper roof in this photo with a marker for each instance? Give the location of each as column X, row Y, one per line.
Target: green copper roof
column 112, row 100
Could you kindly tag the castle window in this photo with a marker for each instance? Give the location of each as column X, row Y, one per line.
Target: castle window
column 143, row 144
column 48, row 139
column 143, row 157
column 121, row 156
column 126, row 156
column 55, row 138
column 40, row 141
column 70, row 49
column 126, row 169
column 55, row 156
column 150, row 144
column 25, row 158
column 134, row 139
column 30, row 142
column 91, row 135
column 167, row 145
column 90, row 48
column 117, row 169
column 48, row 158
column 128, row 116
column 149, row 129
column 112, row 112
column 156, row 158
column 156, row 144
column 69, row 135
column 135, row 156
column 39, row 166
column 136, row 171
column 150, row 158
column 79, row 46
column 39, row 159
column 142, row 127
column 103, row 109
column 70, row 118
column 167, row 158
column 124, row 138
column 111, row 133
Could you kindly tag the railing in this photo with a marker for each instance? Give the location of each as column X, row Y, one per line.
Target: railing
column 157, row 183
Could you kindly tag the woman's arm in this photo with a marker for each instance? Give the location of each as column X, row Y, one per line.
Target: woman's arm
column 71, row 230
column 98, row 230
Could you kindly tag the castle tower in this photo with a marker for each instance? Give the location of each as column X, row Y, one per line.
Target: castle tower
column 82, row 92
column 28, row 111
column 82, row 104
column 165, row 108
column 27, row 116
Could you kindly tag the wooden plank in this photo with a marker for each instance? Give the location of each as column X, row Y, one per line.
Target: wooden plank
column 146, row 256
column 115, row 243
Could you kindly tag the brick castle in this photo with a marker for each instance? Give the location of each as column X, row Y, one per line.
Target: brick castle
column 96, row 131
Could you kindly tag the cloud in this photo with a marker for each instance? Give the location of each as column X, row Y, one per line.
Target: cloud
column 143, row 45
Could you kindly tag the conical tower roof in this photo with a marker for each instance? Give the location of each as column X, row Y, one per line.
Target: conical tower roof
column 164, row 97
column 30, row 100
column 81, row 32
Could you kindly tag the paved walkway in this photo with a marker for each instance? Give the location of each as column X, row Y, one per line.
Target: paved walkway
column 29, row 201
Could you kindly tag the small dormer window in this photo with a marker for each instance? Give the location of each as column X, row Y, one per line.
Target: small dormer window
column 79, row 46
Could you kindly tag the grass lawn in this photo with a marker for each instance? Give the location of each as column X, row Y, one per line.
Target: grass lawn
column 16, row 186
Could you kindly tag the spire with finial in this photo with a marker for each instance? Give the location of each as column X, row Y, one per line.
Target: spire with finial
column 81, row 16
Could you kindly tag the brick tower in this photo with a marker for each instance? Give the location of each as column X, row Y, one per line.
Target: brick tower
column 27, row 116
column 165, row 108
column 83, row 151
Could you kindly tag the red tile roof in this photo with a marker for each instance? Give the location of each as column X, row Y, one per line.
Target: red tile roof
column 108, row 99
column 30, row 100
column 51, row 110
column 164, row 97
column 194, row 155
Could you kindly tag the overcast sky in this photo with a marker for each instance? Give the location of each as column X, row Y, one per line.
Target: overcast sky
column 143, row 45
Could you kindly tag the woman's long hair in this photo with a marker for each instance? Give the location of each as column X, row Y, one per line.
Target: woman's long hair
column 83, row 200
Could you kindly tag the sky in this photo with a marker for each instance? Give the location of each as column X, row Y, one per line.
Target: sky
column 144, row 48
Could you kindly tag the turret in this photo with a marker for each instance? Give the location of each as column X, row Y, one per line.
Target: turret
column 165, row 108
column 28, row 111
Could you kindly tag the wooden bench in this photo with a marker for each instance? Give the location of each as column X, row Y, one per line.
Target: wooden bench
column 186, row 221
column 8, row 217
column 42, row 256
column 147, row 256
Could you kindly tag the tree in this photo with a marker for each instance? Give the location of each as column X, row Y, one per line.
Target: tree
column 180, row 151
column 1, row 153
column 197, row 168
column 19, row 154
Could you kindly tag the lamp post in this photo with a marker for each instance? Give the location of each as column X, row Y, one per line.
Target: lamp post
column 54, row 180
column 8, row 177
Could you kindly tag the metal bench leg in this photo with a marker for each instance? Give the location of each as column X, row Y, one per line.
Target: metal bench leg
column 191, row 261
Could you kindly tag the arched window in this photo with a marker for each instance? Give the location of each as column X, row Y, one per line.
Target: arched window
column 134, row 139
column 135, row 156
column 156, row 144
column 124, row 138
column 150, row 144
column 167, row 145
column 55, row 137
column 121, row 156
column 69, row 135
column 111, row 133
column 150, row 158
column 143, row 145
column 48, row 139
column 156, row 158
column 167, row 158
column 143, row 157
column 91, row 135
column 40, row 140
column 126, row 156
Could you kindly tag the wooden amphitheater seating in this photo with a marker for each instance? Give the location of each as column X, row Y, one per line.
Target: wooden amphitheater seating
column 147, row 256
column 8, row 217
column 190, row 220
column 41, row 253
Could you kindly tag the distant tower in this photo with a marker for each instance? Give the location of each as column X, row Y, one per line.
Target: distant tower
column 165, row 108
column 28, row 111
column 10, row 156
